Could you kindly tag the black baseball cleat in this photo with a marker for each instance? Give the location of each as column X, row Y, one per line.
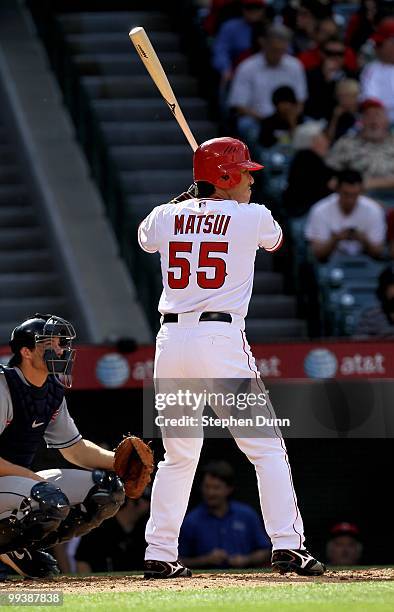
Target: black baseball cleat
column 165, row 569
column 31, row 564
column 299, row 561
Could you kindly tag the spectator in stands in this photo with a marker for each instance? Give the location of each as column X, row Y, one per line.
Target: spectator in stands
column 323, row 79
column 371, row 151
column 220, row 532
column 309, row 176
column 233, row 42
column 280, row 126
column 361, row 24
column 119, row 543
column 308, row 15
column 345, row 113
column 346, row 221
column 325, row 30
column 344, row 546
column 257, row 77
column 219, row 12
column 378, row 321
column 377, row 77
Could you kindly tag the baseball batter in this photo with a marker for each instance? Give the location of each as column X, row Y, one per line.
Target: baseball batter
column 207, row 246
column 38, row 510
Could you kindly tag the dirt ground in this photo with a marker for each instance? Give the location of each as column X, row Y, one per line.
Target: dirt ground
column 96, row 584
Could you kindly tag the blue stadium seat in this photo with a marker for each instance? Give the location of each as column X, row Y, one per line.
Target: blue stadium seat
column 347, row 285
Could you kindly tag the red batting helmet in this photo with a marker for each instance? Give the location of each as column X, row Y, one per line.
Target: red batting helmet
column 219, row 161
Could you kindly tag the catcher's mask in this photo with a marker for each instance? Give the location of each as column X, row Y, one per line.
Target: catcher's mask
column 44, row 329
column 219, row 161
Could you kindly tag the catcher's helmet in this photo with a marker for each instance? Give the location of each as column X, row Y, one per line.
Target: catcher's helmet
column 219, row 161
column 43, row 328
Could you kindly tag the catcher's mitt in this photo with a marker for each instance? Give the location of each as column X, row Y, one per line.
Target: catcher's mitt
column 133, row 463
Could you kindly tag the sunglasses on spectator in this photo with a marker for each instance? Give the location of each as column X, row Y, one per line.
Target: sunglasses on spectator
column 334, row 52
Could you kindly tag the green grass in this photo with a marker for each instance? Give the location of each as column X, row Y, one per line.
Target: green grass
column 355, row 597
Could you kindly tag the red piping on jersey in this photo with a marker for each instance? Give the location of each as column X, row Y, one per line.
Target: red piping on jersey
column 277, row 245
column 279, row 436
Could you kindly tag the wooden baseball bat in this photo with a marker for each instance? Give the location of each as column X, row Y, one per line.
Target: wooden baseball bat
column 148, row 55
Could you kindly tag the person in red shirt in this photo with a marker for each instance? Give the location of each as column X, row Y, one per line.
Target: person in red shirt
column 362, row 24
column 220, row 11
column 322, row 80
column 312, row 58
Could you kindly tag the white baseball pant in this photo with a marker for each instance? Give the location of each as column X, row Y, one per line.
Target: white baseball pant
column 214, row 350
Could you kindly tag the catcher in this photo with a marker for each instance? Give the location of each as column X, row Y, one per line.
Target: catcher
column 38, row 510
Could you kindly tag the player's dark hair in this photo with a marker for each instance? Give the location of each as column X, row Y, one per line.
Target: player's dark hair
column 16, row 345
column 205, row 189
column 23, row 340
column 349, row 176
column 15, row 360
column 221, row 470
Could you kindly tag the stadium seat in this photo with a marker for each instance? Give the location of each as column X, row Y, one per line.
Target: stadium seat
column 347, row 285
column 28, row 279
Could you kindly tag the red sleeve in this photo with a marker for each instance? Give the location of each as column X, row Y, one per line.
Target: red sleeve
column 390, row 225
column 212, row 20
column 350, row 60
column 353, row 25
column 310, row 58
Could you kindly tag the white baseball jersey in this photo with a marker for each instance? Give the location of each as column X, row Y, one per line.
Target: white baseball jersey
column 207, row 249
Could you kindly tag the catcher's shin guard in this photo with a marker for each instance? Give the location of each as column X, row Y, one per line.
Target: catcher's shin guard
column 103, row 501
column 39, row 520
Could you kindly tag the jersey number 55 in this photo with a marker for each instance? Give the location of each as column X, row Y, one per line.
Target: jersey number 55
column 205, row 260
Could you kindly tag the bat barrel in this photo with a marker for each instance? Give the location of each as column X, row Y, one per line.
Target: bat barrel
column 148, row 56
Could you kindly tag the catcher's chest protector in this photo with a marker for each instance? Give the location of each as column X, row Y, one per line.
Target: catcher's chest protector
column 33, row 408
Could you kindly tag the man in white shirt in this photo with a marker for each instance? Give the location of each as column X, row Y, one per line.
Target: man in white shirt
column 377, row 77
column 257, row 77
column 207, row 246
column 346, row 221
